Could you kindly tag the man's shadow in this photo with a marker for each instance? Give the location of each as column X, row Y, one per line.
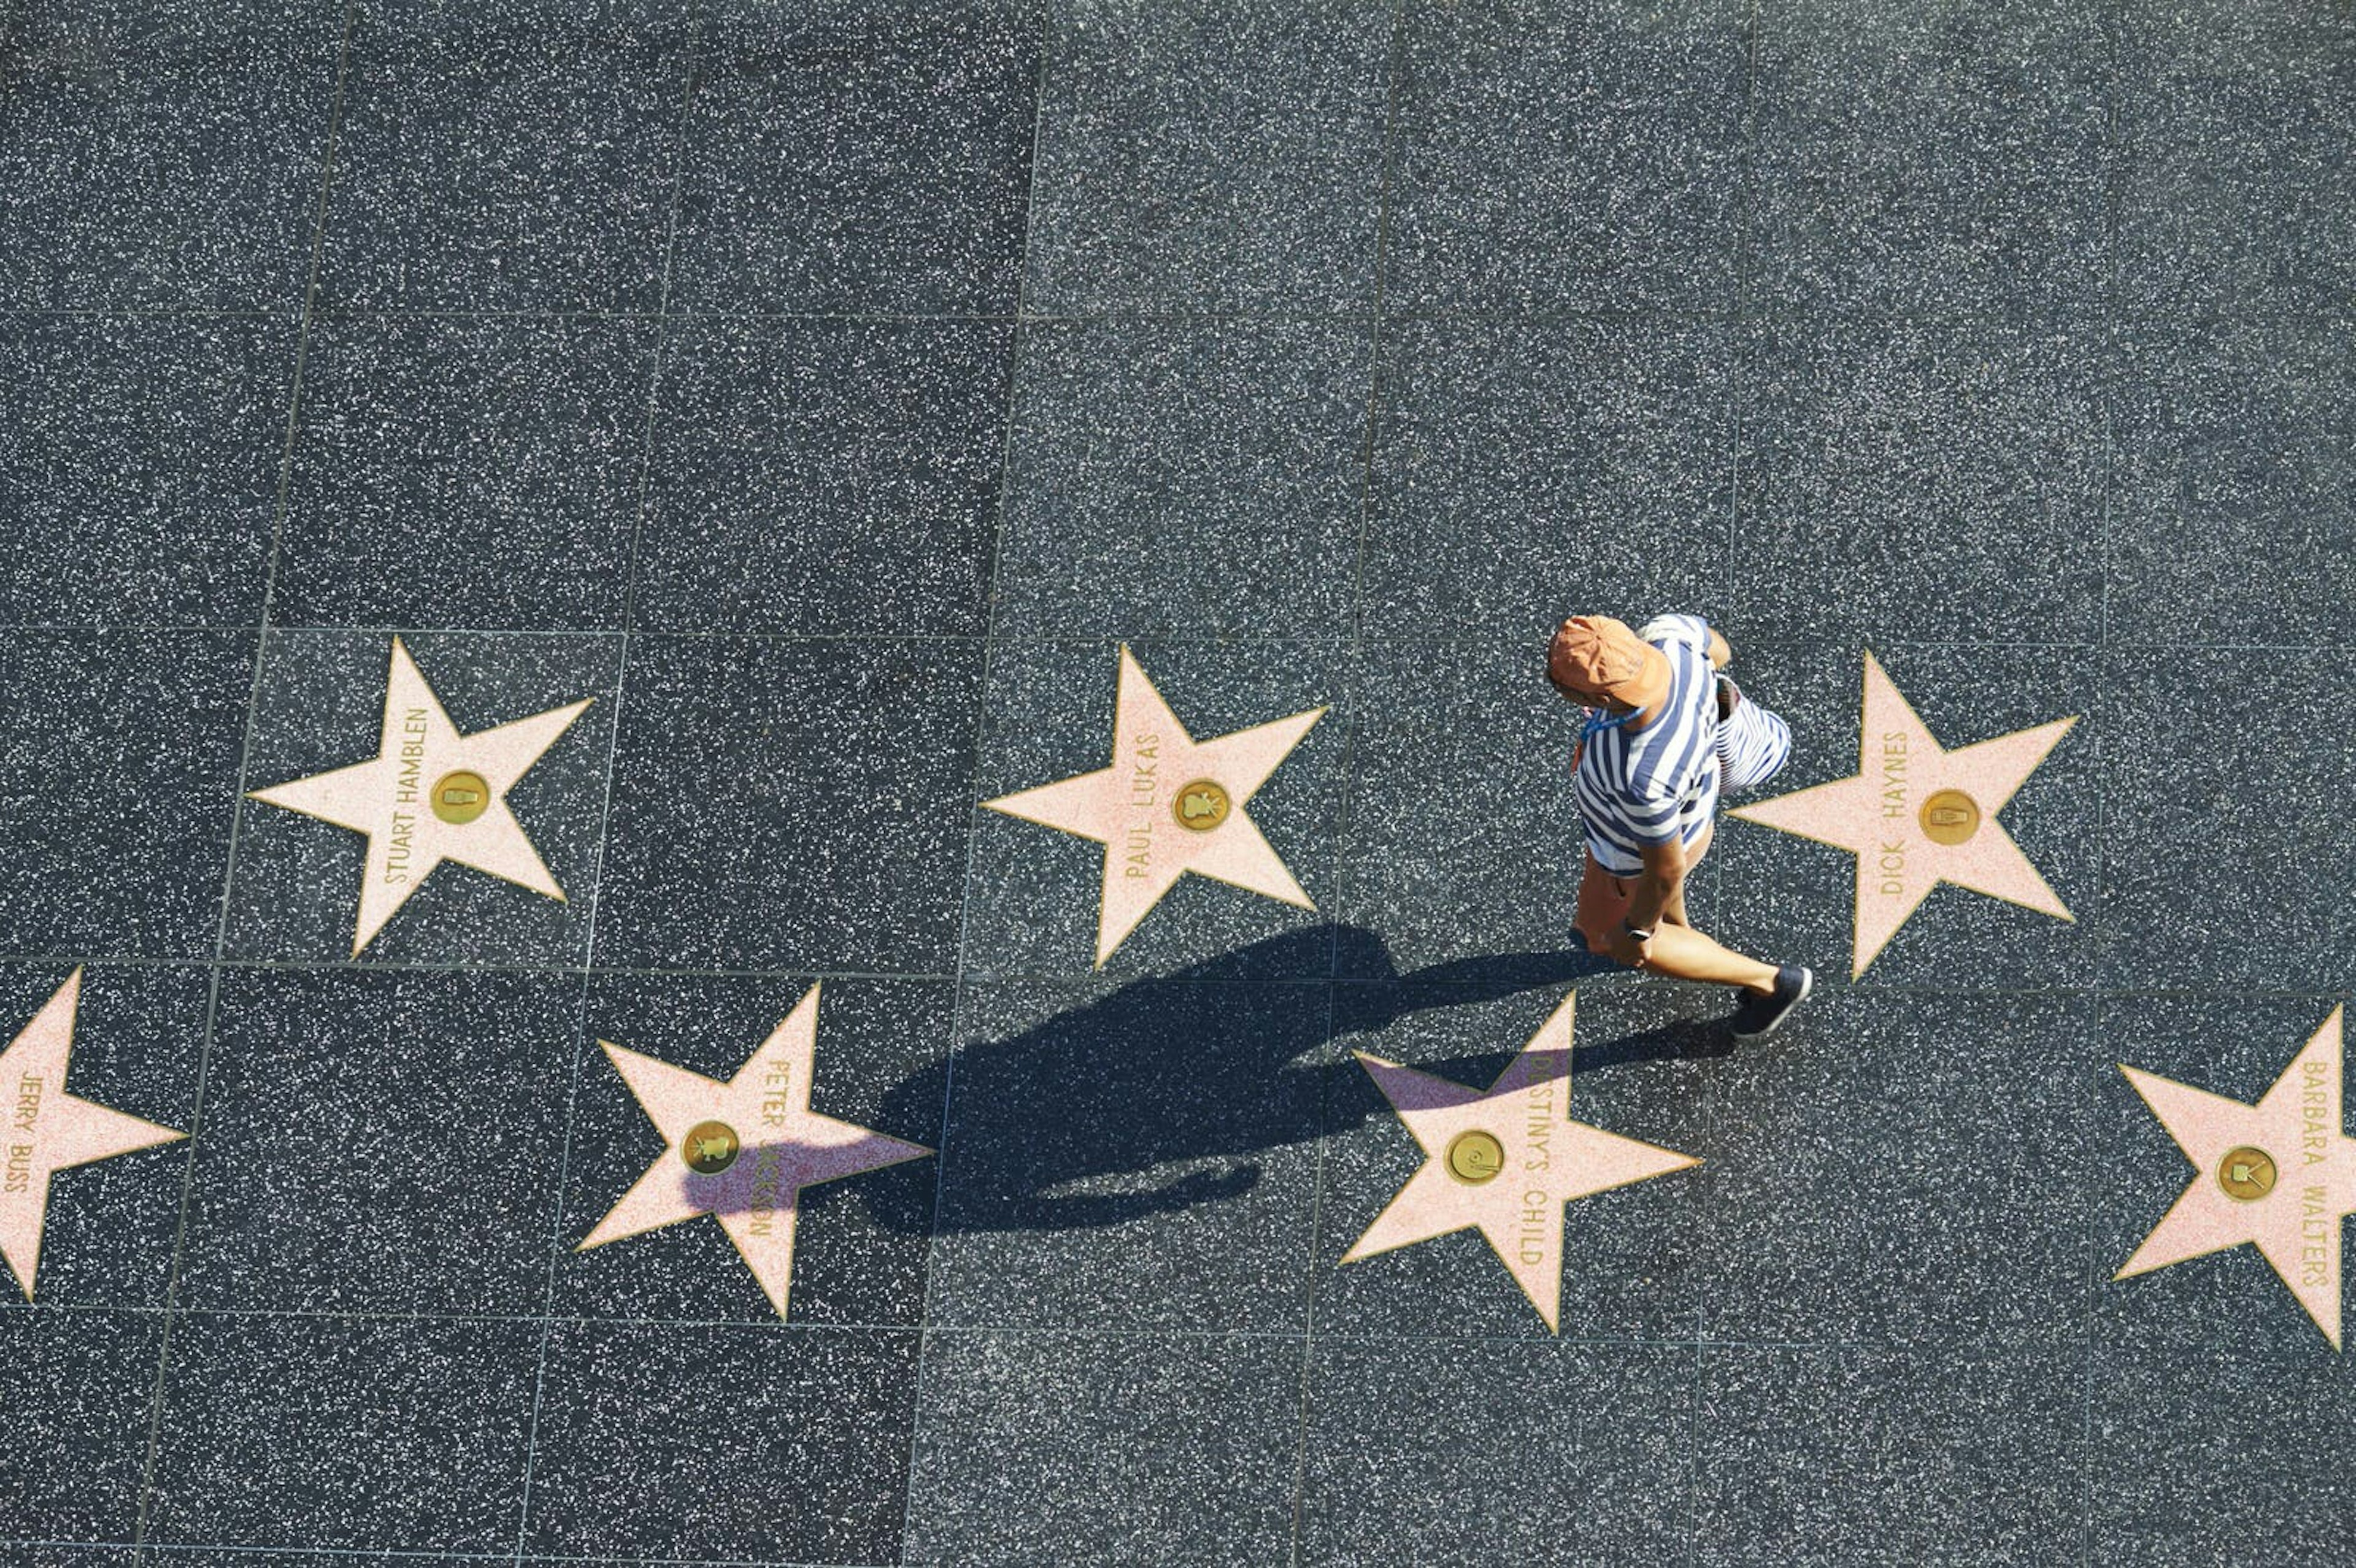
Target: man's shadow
column 1191, row 1068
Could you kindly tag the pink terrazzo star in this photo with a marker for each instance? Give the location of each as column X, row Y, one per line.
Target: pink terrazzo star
column 431, row 795
column 44, row 1130
column 774, row 1146
column 1167, row 805
column 2280, row 1175
column 1916, row 816
column 1506, row 1159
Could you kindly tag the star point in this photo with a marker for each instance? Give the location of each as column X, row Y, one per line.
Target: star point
column 44, row 1129
column 431, row 795
column 1168, row 804
column 1916, row 814
column 1504, row 1160
column 743, row 1150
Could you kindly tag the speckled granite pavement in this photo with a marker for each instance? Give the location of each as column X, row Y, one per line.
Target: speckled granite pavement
column 829, row 390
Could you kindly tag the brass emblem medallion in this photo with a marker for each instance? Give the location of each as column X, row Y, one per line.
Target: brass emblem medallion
column 1950, row 817
column 1475, row 1156
column 709, row 1148
column 1201, row 805
column 460, row 797
column 2246, row 1173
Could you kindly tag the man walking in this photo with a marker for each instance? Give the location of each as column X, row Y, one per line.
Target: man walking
column 1664, row 734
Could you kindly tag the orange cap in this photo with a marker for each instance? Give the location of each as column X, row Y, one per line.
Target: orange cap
column 1596, row 656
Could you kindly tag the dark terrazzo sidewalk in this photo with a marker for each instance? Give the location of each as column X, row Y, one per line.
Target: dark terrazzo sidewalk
column 829, row 388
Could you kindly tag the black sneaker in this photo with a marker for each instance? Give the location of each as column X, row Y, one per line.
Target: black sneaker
column 1760, row 1015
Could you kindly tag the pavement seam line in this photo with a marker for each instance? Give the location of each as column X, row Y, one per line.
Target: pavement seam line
column 237, row 810
column 1394, row 70
column 1017, row 338
column 691, row 69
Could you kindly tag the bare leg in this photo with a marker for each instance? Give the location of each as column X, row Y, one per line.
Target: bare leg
column 1676, row 949
column 1686, row 953
column 1674, row 911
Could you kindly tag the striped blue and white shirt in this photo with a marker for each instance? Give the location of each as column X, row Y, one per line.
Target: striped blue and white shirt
column 1658, row 784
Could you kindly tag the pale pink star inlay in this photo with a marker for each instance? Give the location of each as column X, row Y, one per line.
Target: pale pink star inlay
column 760, row 1128
column 1915, row 816
column 44, row 1130
column 1168, row 805
column 1506, row 1159
column 2280, row 1175
column 431, row 795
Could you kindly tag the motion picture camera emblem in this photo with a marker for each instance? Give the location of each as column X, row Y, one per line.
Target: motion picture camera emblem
column 709, row 1148
column 1202, row 805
